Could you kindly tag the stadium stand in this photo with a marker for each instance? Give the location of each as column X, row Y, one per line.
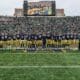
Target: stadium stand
column 39, row 31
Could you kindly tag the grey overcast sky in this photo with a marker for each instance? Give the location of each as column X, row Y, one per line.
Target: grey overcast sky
column 71, row 7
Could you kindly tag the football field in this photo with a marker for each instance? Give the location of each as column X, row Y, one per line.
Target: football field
column 40, row 66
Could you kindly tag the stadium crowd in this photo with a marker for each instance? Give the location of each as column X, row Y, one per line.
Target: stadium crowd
column 39, row 28
column 24, row 27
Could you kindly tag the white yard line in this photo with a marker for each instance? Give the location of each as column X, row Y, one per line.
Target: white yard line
column 21, row 67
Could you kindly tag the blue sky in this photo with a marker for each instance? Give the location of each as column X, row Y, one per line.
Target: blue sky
column 71, row 7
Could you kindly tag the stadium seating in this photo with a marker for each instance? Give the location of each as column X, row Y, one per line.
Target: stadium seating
column 26, row 31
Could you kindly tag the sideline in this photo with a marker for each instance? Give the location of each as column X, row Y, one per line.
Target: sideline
column 44, row 67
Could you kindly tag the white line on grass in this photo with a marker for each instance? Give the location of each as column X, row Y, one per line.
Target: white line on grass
column 40, row 53
column 21, row 67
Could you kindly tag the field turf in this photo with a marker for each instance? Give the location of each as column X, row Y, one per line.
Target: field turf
column 40, row 66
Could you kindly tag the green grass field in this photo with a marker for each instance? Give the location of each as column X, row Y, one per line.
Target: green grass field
column 33, row 66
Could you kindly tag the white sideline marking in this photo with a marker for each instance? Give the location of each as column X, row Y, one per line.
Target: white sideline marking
column 41, row 53
column 21, row 67
column 34, row 53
